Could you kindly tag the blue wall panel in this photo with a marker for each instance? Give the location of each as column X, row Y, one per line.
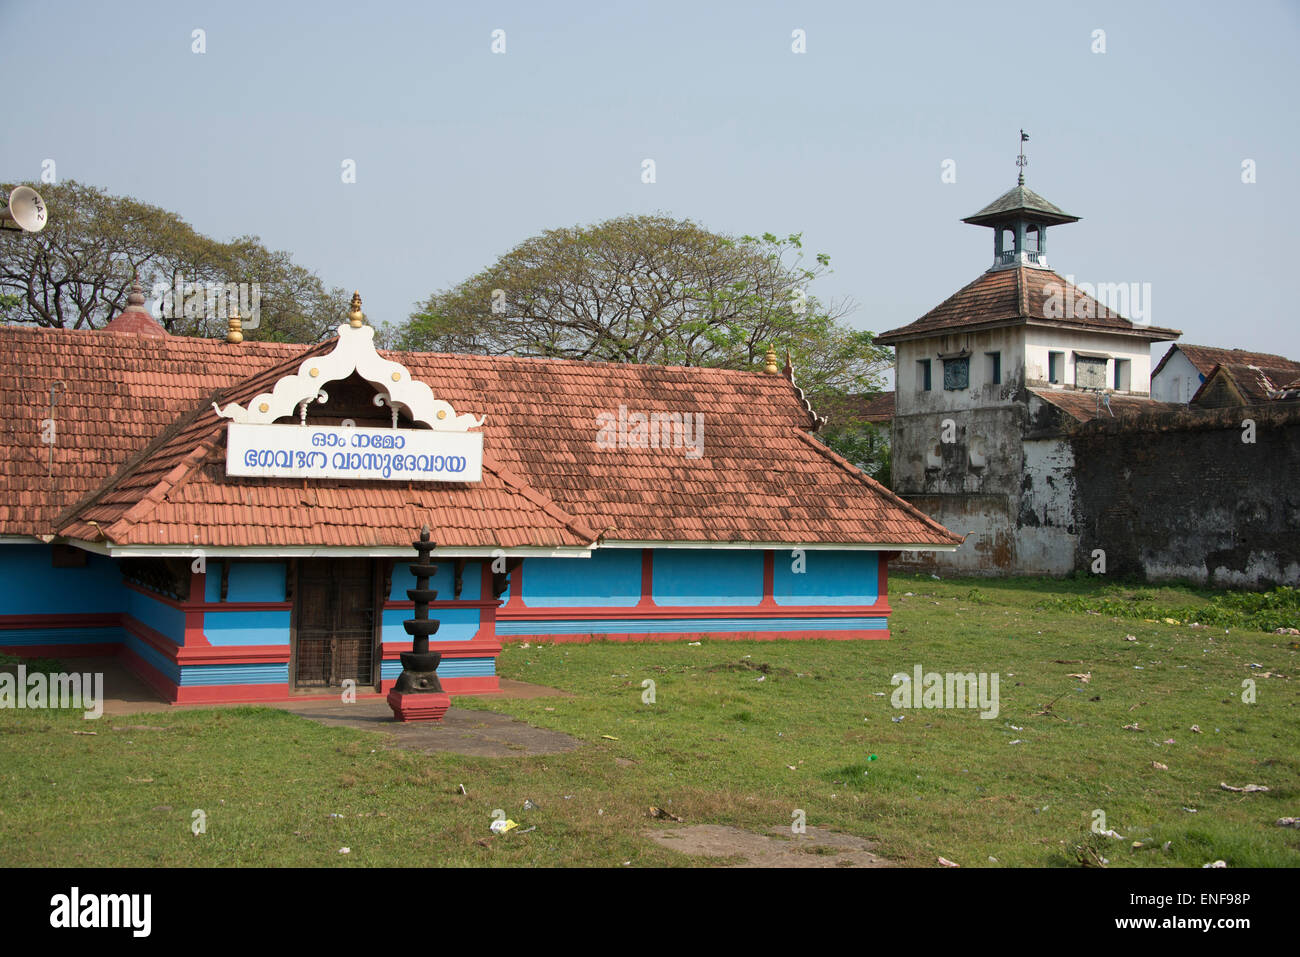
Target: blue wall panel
column 158, row 616
column 53, row 637
column 444, row 582
column 201, row 675
column 608, row 579
column 829, row 578
column 159, row 661
column 449, row 668
column 702, row 576
column 247, row 581
column 455, row 624
column 246, row 627
column 672, row 626
column 29, row 585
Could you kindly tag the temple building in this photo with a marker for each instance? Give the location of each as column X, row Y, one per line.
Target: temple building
column 234, row 519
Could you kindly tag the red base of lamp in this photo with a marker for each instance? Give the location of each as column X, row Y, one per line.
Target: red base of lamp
column 418, row 707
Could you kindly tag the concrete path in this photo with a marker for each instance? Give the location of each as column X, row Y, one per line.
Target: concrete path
column 461, row 731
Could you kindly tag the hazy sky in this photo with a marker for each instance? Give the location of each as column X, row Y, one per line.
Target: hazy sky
column 462, row 153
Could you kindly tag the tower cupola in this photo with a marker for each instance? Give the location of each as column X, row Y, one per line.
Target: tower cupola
column 1019, row 219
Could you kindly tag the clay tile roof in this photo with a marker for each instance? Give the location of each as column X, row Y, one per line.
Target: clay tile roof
column 1205, row 358
column 1016, row 296
column 142, row 456
column 108, row 395
column 1083, row 406
column 1253, row 383
column 135, row 319
column 1020, row 200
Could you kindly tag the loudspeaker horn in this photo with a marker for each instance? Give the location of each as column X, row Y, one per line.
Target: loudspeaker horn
column 25, row 209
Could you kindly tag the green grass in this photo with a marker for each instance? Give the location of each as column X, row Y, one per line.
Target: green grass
column 718, row 747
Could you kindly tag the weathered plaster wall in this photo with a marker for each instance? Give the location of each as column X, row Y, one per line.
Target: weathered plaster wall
column 1040, row 341
column 910, row 397
column 1045, row 524
column 1183, row 497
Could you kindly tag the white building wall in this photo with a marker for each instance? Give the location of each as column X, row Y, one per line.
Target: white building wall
column 911, row 399
column 1040, row 341
column 1177, row 381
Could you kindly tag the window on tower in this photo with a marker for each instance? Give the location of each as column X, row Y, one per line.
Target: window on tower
column 1032, row 239
column 1008, row 240
column 923, row 374
column 956, row 373
column 1055, row 362
column 1123, row 376
column 1089, row 372
column 995, row 367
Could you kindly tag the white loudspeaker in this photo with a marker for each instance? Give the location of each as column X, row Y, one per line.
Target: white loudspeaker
column 26, row 209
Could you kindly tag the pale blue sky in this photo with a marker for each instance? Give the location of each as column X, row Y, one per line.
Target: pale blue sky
column 461, row 153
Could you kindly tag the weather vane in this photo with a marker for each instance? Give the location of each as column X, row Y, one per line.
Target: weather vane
column 1020, row 160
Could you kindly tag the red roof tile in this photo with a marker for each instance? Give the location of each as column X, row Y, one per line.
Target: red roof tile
column 1251, row 383
column 142, row 415
column 1016, row 296
column 1205, row 358
column 1084, row 406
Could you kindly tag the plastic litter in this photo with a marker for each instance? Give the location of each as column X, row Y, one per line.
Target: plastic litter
column 500, row 827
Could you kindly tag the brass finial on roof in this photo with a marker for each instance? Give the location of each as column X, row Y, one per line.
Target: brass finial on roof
column 770, row 362
column 235, row 334
column 1020, row 160
column 356, row 318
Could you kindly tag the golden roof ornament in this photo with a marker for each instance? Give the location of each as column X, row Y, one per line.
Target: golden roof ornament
column 235, row 334
column 770, row 360
column 356, row 318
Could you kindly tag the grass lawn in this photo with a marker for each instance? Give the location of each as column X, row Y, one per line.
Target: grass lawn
column 720, row 746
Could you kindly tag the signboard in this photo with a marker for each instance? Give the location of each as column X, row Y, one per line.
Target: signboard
column 339, row 452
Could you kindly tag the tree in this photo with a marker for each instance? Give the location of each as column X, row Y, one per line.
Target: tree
column 650, row 289
column 77, row 272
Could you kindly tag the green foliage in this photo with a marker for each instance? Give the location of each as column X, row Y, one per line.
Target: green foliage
column 1263, row 611
column 650, row 289
column 77, row 272
column 865, row 444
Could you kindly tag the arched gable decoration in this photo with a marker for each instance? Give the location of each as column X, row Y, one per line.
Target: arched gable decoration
column 354, row 352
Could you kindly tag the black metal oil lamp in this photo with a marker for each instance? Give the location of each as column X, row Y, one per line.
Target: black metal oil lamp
column 418, row 695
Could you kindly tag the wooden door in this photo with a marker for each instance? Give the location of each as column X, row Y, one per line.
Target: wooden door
column 335, row 622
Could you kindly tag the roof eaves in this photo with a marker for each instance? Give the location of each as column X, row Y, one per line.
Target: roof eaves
column 879, row 489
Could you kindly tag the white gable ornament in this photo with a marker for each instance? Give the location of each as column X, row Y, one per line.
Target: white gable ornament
column 446, row 451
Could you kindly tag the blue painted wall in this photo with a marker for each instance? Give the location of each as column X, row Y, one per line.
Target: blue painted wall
column 30, row 585
column 608, row 579
column 158, row 616
column 678, row 626
column 247, row 627
column 444, row 582
column 449, row 668
column 829, row 578
column 248, row 581
column 702, row 576
column 454, row 624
